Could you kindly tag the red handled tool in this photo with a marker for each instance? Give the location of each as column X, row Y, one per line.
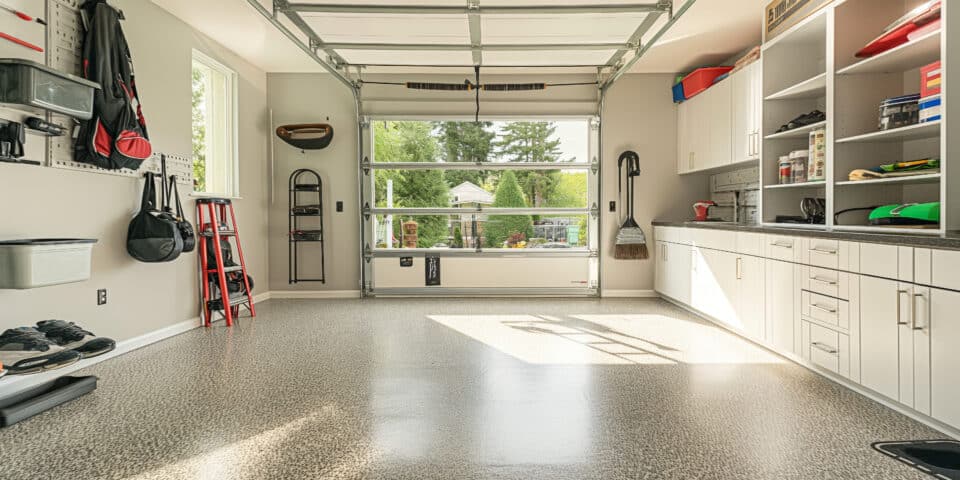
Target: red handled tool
column 22, row 15
column 20, row 42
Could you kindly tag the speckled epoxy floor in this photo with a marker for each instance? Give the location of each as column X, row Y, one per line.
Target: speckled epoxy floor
column 451, row 389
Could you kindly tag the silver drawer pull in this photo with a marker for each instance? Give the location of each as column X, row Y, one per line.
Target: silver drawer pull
column 826, row 251
column 782, row 245
column 825, row 348
column 823, row 280
column 822, row 308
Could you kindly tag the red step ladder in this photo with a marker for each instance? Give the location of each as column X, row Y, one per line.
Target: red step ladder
column 212, row 218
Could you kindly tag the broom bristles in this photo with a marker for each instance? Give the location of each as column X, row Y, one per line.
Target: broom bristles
column 636, row 251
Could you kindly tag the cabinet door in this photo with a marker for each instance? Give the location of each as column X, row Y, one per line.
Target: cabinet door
column 750, row 296
column 684, row 152
column 781, row 306
column 920, row 337
column 678, row 262
column 945, row 356
column 882, row 314
column 720, row 119
column 661, row 279
column 743, row 108
column 755, row 73
column 715, row 283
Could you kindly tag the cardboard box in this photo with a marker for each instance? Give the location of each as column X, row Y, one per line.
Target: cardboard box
column 783, row 14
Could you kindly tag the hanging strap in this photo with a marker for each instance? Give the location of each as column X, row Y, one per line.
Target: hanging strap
column 149, row 199
column 174, row 195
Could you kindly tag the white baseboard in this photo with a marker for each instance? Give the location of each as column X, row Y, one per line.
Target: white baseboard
column 316, row 294
column 628, row 294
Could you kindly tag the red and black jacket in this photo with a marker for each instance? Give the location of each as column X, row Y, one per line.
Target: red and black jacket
column 116, row 136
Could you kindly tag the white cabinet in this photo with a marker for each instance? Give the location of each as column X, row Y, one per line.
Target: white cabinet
column 717, row 150
column 673, row 271
column 714, row 286
column 782, row 306
column 895, row 341
column 750, row 296
column 945, row 356
column 746, row 104
column 684, row 145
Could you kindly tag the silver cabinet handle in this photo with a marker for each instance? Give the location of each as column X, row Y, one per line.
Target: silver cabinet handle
column 825, row 348
column 739, row 268
column 823, row 280
column 913, row 308
column 900, row 294
column 782, row 244
column 822, row 308
column 828, row 251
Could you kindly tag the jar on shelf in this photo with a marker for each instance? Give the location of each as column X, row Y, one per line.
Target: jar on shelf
column 786, row 170
column 798, row 166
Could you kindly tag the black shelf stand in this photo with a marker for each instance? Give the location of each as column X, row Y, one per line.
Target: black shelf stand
column 305, row 184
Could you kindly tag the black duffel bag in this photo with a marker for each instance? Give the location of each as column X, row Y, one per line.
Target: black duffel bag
column 153, row 236
column 183, row 225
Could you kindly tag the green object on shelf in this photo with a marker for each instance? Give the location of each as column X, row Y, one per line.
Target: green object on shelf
column 906, row 214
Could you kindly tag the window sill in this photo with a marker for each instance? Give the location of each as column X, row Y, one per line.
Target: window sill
column 214, row 195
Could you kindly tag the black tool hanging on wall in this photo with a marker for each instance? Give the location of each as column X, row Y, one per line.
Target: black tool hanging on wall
column 12, row 138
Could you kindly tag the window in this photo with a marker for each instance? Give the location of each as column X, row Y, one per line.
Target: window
column 481, row 186
column 215, row 156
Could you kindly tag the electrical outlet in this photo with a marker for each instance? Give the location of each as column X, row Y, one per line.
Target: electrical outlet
column 613, row 206
column 340, row 206
column 102, row 296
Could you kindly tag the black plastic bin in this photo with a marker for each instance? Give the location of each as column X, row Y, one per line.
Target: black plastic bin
column 34, row 401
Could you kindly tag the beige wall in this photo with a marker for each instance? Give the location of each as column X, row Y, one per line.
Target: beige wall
column 639, row 115
column 50, row 202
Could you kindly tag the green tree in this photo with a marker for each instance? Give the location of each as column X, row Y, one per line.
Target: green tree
column 412, row 142
column 570, row 191
column 532, row 142
column 199, row 132
column 466, row 142
column 457, row 238
column 499, row 228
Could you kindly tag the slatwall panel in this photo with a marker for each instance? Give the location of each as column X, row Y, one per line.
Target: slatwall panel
column 65, row 39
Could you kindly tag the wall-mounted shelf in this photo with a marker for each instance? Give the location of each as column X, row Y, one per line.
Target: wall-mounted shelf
column 913, row 132
column 909, row 180
column 815, row 87
column 915, row 54
column 801, row 132
column 820, row 184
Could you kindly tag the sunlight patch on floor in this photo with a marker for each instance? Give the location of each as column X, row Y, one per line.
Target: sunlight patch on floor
column 609, row 339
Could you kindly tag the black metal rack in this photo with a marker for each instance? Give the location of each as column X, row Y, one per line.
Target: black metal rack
column 305, row 183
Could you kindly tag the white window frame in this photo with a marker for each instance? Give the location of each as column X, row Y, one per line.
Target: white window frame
column 234, row 144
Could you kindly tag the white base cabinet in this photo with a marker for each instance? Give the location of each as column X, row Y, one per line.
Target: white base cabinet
column 673, row 270
column 944, row 335
column 782, row 308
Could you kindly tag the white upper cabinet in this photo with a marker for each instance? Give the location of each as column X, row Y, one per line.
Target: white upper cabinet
column 746, row 104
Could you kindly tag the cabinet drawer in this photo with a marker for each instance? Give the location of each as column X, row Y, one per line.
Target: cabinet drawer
column 831, row 283
column 783, row 248
column 828, row 349
column 823, row 253
column 946, row 269
column 826, row 309
column 722, row 240
column 750, row 244
column 887, row 261
column 666, row 234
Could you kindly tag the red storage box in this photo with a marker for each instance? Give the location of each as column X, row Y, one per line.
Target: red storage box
column 701, row 79
column 930, row 80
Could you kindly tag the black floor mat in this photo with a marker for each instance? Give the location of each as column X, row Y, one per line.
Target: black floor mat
column 938, row 458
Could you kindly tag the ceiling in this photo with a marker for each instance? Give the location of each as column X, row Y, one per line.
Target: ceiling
column 697, row 39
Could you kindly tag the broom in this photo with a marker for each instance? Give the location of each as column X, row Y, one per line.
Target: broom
column 631, row 243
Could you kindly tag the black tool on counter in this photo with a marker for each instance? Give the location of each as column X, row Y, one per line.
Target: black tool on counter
column 44, row 127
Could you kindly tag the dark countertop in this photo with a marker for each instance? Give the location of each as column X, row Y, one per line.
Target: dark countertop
column 950, row 242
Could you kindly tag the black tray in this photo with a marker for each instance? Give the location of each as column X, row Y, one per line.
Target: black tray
column 34, row 401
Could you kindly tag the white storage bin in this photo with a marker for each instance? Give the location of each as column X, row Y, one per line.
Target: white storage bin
column 43, row 262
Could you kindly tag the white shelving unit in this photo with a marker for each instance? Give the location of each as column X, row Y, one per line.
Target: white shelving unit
column 813, row 66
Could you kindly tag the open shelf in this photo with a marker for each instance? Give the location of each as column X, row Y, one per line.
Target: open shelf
column 797, row 132
column 913, row 132
column 915, row 54
column 815, row 87
column 818, row 184
column 909, row 180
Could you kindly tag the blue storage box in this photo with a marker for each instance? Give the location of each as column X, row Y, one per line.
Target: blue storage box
column 678, row 93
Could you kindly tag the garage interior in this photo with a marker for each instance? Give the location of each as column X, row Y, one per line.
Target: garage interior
column 478, row 239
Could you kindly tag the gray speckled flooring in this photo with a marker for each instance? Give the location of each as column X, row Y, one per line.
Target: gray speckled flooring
column 450, row 389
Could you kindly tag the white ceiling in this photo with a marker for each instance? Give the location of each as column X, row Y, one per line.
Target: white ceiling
column 710, row 32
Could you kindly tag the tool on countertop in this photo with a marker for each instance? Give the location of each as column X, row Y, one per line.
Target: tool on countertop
column 22, row 15
column 814, row 210
column 702, row 209
column 21, row 42
column 631, row 243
